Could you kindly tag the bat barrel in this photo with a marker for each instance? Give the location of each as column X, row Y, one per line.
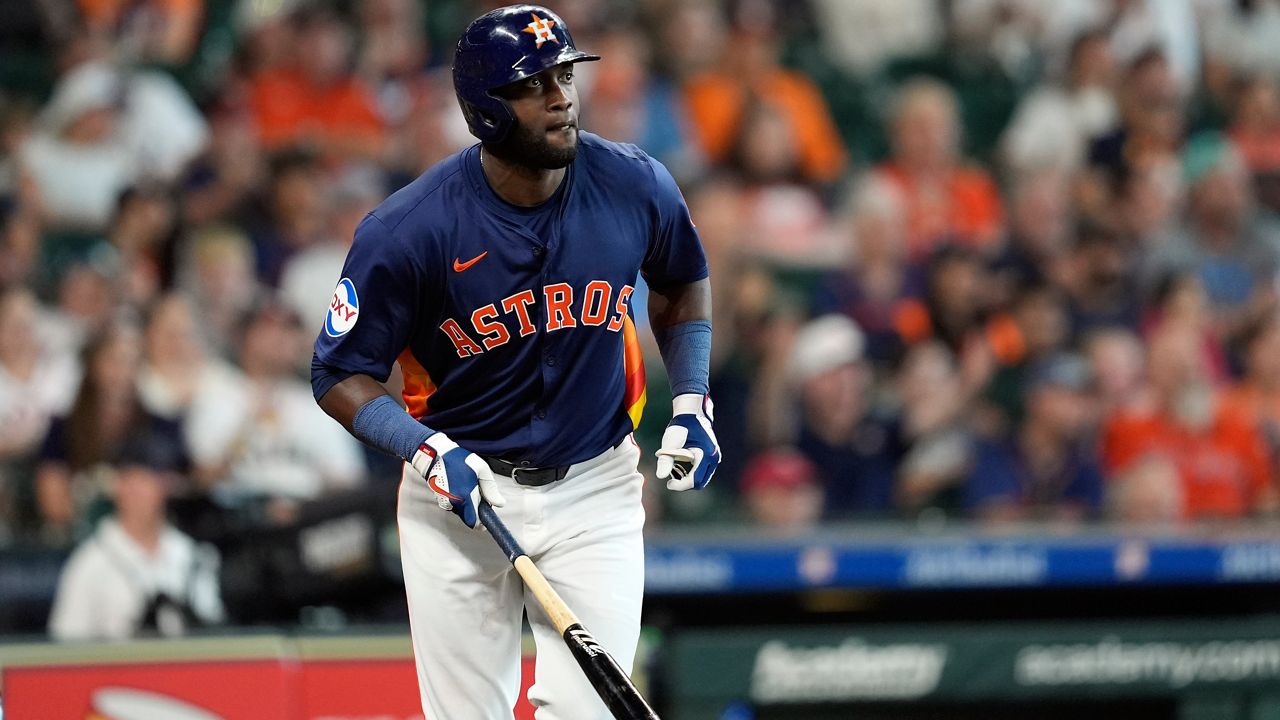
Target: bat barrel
column 611, row 683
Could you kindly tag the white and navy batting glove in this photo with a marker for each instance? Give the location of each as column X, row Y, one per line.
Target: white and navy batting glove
column 689, row 453
column 460, row 479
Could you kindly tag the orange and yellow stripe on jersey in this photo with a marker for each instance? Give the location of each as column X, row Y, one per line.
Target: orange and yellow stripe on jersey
column 418, row 387
column 634, row 396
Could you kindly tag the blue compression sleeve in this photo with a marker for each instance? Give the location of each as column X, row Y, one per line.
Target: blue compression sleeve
column 385, row 425
column 686, row 351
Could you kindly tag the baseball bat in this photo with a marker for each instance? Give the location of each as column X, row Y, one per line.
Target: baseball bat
column 615, row 688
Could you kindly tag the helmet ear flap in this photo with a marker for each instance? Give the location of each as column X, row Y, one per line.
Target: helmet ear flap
column 491, row 121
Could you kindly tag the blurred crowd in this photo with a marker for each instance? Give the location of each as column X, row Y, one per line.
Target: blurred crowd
column 998, row 260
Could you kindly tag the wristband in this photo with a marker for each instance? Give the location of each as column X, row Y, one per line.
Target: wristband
column 686, row 351
column 382, row 423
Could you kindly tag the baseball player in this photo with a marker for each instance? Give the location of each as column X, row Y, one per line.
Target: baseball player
column 501, row 279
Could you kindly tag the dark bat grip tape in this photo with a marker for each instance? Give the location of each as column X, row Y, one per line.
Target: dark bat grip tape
column 499, row 531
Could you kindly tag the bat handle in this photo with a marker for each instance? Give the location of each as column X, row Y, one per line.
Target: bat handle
column 499, row 531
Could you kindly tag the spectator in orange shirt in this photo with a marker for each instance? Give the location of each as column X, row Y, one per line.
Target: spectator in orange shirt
column 1221, row 458
column 317, row 99
column 946, row 200
column 749, row 72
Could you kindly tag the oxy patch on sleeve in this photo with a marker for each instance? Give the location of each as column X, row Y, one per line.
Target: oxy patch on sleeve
column 344, row 309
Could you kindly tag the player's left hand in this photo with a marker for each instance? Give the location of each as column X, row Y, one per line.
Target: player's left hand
column 689, row 453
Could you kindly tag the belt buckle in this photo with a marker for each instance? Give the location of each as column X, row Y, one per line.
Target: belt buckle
column 538, row 476
column 515, row 474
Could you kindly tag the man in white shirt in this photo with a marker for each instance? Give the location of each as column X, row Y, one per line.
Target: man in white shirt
column 104, row 129
column 263, row 435
column 136, row 574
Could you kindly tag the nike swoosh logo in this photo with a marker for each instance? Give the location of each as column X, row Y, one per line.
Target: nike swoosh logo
column 459, row 266
column 433, row 482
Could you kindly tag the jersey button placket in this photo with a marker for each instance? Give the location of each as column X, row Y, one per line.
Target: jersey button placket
column 550, row 374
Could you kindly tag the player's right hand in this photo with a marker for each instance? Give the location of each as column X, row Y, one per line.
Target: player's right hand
column 460, row 479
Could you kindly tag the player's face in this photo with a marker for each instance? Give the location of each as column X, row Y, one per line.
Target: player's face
column 546, row 109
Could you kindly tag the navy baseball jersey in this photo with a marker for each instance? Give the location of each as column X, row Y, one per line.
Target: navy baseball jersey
column 513, row 326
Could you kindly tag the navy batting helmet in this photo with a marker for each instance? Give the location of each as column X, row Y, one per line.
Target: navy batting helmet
column 501, row 47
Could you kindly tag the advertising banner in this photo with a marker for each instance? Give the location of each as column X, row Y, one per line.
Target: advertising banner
column 266, row 678
column 374, row 689
column 161, row 691
column 675, row 566
column 969, row 663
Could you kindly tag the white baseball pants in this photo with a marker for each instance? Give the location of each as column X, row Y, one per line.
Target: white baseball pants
column 465, row 600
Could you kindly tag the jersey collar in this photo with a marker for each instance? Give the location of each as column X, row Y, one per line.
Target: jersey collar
column 487, row 197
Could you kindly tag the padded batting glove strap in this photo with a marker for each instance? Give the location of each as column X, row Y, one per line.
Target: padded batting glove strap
column 689, row 453
column 459, row 479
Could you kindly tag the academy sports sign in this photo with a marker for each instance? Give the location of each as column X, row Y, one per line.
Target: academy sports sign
column 852, row 669
column 844, row 666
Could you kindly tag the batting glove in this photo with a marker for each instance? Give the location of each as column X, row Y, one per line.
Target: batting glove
column 689, row 453
column 460, row 479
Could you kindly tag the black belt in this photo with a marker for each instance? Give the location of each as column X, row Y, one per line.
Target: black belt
column 532, row 477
